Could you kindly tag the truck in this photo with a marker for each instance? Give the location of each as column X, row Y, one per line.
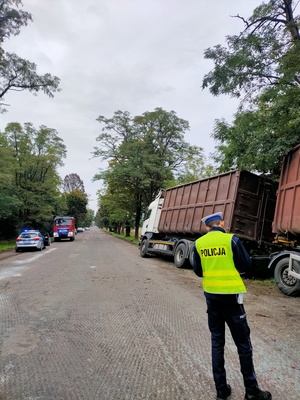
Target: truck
column 264, row 214
column 64, row 228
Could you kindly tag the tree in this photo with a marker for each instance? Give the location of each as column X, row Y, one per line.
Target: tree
column 258, row 140
column 16, row 73
column 77, row 205
column 76, row 199
column 12, row 19
column 195, row 167
column 73, row 182
column 102, row 214
column 9, row 202
column 30, row 159
column 264, row 55
column 113, row 211
column 89, row 218
column 262, row 67
column 144, row 152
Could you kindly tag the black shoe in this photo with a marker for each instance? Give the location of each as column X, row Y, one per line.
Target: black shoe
column 261, row 395
column 223, row 394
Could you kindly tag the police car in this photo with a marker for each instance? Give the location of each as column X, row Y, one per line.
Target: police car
column 30, row 239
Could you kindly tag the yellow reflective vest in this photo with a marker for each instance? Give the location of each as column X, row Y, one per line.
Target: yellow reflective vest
column 219, row 273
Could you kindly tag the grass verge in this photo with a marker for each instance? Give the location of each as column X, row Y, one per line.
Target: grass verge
column 7, row 244
column 130, row 239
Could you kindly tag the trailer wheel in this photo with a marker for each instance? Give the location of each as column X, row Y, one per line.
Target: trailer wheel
column 288, row 285
column 179, row 256
column 144, row 248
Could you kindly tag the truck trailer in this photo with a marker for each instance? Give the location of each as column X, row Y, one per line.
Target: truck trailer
column 263, row 214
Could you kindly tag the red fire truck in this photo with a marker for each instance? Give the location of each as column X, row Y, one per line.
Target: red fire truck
column 64, row 228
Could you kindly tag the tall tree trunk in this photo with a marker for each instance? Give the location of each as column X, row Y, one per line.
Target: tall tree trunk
column 137, row 220
column 290, row 21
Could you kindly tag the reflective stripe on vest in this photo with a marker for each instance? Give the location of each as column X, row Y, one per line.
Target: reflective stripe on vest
column 219, row 273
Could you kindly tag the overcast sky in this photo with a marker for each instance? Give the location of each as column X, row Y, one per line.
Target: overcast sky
column 128, row 55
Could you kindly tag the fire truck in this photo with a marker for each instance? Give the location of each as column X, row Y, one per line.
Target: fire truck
column 64, row 228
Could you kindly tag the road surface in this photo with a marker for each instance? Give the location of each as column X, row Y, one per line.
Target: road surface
column 91, row 319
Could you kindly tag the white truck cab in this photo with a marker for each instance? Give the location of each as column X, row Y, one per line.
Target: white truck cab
column 150, row 224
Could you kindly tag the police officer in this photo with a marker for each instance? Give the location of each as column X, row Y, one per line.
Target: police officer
column 219, row 257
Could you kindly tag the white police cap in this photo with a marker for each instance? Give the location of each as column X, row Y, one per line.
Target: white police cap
column 212, row 217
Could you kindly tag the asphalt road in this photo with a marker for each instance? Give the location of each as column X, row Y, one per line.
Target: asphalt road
column 90, row 319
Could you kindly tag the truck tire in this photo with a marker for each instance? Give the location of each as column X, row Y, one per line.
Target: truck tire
column 288, row 285
column 179, row 257
column 144, row 248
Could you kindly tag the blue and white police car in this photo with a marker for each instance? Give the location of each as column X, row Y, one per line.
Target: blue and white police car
column 30, row 239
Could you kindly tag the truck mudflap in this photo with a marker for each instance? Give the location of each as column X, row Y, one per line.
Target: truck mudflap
column 286, row 267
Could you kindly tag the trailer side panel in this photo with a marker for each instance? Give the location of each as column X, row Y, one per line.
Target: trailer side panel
column 246, row 200
column 287, row 212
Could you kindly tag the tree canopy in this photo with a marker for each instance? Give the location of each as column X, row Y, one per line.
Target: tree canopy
column 77, row 205
column 73, row 182
column 16, row 73
column 261, row 66
column 76, row 199
column 144, row 153
column 29, row 181
column 12, row 19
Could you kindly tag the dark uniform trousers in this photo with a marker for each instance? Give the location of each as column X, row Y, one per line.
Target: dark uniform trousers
column 233, row 314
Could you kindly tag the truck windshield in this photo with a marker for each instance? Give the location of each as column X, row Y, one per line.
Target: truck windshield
column 63, row 222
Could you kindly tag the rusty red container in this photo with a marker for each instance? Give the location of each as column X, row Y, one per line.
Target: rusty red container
column 287, row 212
column 246, row 200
